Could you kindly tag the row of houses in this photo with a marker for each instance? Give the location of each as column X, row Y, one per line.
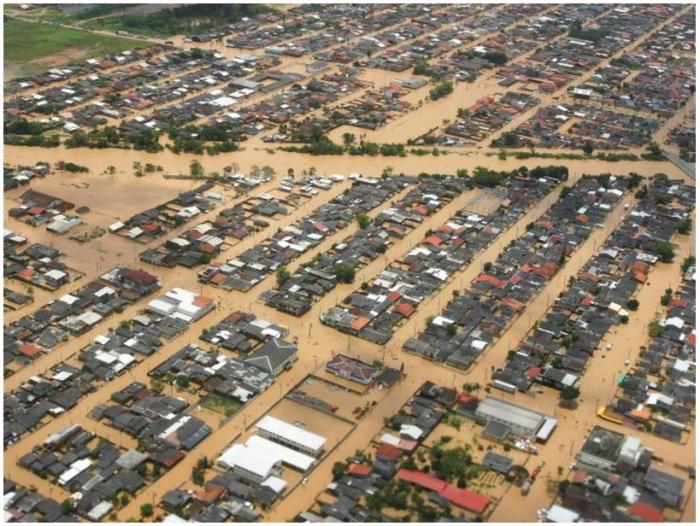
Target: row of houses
column 371, row 110
column 38, row 208
column 155, row 222
column 36, row 264
column 389, row 27
column 224, row 109
column 14, row 177
column 293, row 25
column 248, row 473
column 21, row 503
column 313, row 281
column 556, row 352
column 54, row 100
column 567, row 125
column 614, row 481
column 391, row 460
column 374, row 311
column 95, row 471
column 658, row 392
column 210, row 71
column 486, row 116
column 204, row 92
column 587, row 44
column 74, row 313
column 432, row 53
column 473, row 321
column 209, row 239
column 109, row 355
column 242, row 333
column 513, row 31
column 663, row 78
column 96, row 64
column 427, row 36
column 255, row 264
column 161, row 423
column 334, row 28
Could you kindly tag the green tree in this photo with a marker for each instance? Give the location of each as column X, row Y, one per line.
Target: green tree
column 182, row 380
column 363, row 220
column 665, row 251
column 282, row 274
column 685, row 226
column 667, row 297
column 196, row 169
column 688, row 263
column 655, row 328
column 633, row 304
column 568, row 396
column 344, row 273
column 146, row 510
column 587, row 148
column 338, row 470
column 157, row 385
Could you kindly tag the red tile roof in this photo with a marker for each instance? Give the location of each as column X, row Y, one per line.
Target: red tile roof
column 26, row 273
column 141, row 276
column 579, row 477
column 646, row 512
column 389, row 451
column 466, row 499
column 359, row 323
column 362, row 470
column 29, row 350
column 393, row 296
column 201, row 301
column 405, row 309
column 422, row 479
column 461, row 497
column 532, row 372
column 433, row 240
column 493, row 280
column 211, row 494
column 513, row 304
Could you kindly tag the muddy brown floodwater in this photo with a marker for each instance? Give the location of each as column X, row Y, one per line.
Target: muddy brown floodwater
column 123, row 194
column 118, row 196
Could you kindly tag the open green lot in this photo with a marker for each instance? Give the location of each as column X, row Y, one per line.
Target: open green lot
column 33, row 47
column 220, row 404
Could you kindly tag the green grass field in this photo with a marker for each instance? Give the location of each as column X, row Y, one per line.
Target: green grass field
column 34, row 47
column 221, row 404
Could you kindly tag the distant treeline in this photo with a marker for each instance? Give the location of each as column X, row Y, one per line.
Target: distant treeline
column 186, row 18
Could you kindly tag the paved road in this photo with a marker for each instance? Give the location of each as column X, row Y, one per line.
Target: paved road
column 687, row 168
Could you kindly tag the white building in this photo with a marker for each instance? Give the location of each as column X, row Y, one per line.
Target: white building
column 291, row 435
column 250, row 465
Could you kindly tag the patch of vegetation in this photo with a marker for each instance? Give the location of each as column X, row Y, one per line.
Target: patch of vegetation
column 507, row 140
column 653, row 153
column 28, row 41
column 665, row 251
column 685, row 226
column 107, row 137
column 71, row 167
column 344, row 273
column 443, row 89
column 687, row 263
column 184, row 19
column 221, row 404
